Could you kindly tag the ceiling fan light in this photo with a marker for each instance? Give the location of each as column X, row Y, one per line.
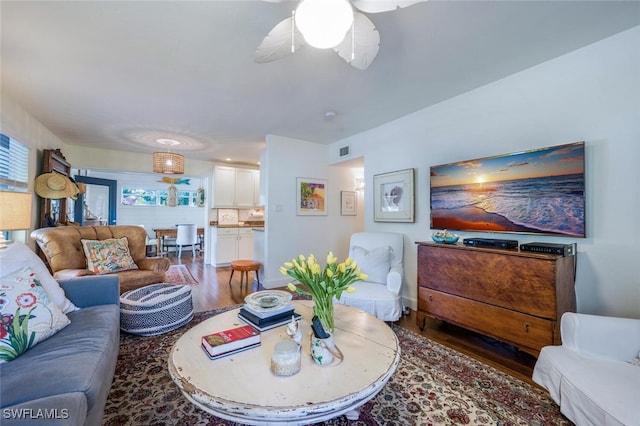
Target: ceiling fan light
column 324, row 23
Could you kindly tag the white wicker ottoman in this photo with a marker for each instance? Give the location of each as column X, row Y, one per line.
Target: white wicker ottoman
column 155, row 309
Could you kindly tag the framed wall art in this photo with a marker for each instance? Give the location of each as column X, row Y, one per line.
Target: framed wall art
column 348, row 203
column 311, row 197
column 393, row 196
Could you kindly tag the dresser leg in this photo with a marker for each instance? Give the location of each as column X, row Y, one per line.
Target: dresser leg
column 424, row 323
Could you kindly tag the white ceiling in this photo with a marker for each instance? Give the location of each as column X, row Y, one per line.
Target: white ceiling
column 119, row 75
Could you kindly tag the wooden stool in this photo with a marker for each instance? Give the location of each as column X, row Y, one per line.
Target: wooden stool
column 244, row 266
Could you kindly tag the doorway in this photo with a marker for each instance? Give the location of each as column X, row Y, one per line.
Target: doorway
column 97, row 206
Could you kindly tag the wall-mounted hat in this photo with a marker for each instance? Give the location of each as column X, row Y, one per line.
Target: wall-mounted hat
column 54, row 186
column 81, row 188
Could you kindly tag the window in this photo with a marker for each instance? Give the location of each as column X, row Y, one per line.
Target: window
column 155, row 197
column 139, row 197
column 14, row 164
column 14, row 168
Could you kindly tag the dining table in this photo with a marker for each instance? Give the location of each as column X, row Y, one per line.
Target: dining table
column 172, row 232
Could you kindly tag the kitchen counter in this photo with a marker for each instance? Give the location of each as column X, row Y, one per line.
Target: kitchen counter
column 244, row 225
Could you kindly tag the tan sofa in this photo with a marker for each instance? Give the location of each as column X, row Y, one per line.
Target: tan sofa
column 62, row 247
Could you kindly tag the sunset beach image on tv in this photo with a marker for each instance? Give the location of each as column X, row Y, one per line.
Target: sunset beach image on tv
column 540, row 191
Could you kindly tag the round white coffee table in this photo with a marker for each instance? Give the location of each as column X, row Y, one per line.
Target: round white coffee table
column 243, row 389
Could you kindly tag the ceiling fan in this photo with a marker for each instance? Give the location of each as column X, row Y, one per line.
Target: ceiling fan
column 329, row 24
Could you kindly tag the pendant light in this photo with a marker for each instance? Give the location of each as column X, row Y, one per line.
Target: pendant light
column 168, row 162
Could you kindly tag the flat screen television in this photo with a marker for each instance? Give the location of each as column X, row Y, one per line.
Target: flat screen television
column 541, row 191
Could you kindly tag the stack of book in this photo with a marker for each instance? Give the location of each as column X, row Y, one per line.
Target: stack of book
column 267, row 319
column 228, row 342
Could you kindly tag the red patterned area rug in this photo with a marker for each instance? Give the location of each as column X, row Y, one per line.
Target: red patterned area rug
column 179, row 274
column 433, row 385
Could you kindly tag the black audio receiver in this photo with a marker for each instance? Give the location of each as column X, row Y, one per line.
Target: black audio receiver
column 549, row 248
column 490, row 242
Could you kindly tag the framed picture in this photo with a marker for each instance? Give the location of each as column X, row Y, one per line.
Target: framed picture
column 311, row 197
column 393, row 196
column 348, row 203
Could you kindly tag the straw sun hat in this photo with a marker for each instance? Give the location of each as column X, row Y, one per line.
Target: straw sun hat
column 55, row 186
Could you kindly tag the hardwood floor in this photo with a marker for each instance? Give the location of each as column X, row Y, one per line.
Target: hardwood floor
column 214, row 292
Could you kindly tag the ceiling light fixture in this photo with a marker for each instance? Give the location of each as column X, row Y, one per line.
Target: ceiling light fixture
column 337, row 24
column 324, row 23
column 168, row 162
column 329, row 115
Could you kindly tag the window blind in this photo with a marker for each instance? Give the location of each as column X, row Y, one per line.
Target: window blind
column 14, row 164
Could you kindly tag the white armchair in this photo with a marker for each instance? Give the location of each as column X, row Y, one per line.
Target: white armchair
column 592, row 376
column 379, row 255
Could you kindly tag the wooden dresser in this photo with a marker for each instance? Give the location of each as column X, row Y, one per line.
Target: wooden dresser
column 514, row 296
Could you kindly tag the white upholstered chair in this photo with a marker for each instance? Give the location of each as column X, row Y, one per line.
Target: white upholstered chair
column 594, row 376
column 379, row 255
column 187, row 235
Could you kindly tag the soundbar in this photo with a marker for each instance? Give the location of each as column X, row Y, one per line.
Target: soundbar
column 490, row 242
column 549, row 248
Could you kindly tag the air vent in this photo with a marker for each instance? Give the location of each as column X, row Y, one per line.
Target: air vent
column 345, row 151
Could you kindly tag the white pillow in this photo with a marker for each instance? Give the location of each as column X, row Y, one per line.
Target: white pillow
column 375, row 263
column 17, row 256
column 28, row 314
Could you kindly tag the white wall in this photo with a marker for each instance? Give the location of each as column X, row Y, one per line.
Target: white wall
column 592, row 94
column 123, row 161
column 286, row 234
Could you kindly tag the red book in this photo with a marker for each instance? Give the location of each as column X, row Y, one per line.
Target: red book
column 231, row 352
column 229, row 340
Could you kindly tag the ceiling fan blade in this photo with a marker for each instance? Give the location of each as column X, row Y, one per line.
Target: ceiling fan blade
column 277, row 44
column 377, row 6
column 360, row 51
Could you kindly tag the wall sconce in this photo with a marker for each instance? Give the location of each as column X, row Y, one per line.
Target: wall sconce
column 168, row 162
column 359, row 184
column 16, row 213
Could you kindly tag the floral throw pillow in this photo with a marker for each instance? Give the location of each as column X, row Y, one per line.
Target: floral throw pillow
column 107, row 256
column 28, row 315
column 18, row 256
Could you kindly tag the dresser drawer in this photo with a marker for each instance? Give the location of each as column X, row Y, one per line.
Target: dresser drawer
column 517, row 283
column 527, row 332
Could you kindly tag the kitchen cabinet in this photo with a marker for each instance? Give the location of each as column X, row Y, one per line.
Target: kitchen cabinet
column 224, row 186
column 245, row 243
column 229, row 244
column 235, row 187
column 245, row 190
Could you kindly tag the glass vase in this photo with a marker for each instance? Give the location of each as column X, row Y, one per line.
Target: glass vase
column 323, row 309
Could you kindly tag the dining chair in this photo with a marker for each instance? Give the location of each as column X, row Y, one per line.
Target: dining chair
column 151, row 243
column 187, row 235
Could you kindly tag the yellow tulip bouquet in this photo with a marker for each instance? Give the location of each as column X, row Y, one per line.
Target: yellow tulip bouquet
column 323, row 284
